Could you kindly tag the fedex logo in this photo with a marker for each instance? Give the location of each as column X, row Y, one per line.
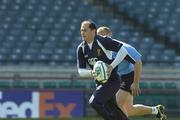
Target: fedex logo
column 49, row 107
column 49, row 104
column 14, row 109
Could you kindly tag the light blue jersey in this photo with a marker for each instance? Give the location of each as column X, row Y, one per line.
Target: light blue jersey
column 126, row 67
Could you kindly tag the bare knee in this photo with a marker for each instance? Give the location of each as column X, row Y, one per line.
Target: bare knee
column 122, row 97
column 130, row 109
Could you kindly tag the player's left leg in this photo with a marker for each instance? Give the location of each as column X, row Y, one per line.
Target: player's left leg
column 161, row 112
column 125, row 101
column 126, row 104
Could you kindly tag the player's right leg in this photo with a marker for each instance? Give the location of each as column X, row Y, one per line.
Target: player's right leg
column 101, row 96
column 97, row 103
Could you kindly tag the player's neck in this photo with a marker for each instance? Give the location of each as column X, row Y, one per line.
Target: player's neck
column 90, row 45
column 90, row 41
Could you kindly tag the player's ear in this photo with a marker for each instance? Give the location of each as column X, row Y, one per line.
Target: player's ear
column 94, row 31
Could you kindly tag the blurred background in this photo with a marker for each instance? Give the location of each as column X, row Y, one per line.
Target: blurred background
column 38, row 41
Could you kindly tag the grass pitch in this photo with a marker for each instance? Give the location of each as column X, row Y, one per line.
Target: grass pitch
column 96, row 118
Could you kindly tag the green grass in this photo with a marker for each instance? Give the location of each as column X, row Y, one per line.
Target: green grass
column 93, row 118
column 131, row 118
column 152, row 118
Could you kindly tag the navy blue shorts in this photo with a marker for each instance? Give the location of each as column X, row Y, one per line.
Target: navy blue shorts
column 126, row 81
column 106, row 91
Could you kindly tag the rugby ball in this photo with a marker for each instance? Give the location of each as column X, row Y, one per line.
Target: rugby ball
column 100, row 69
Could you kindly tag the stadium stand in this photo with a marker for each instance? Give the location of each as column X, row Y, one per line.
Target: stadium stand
column 34, row 32
column 158, row 15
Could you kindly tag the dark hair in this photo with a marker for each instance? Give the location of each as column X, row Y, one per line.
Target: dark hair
column 92, row 26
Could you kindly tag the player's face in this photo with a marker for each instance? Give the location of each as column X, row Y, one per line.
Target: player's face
column 86, row 33
column 102, row 32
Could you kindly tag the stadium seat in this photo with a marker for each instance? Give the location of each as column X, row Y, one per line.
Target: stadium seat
column 64, row 84
column 142, row 99
column 156, row 85
column 5, row 84
column 3, row 55
column 92, row 84
column 14, row 58
column 170, row 85
column 167, row 59
column 156, row 99
column 80, row 84
column 171, row 101
column 49, row 84
column 18, row 84
column 152, row 58
column 144, row 85
column 33, row 84
column 177, row 61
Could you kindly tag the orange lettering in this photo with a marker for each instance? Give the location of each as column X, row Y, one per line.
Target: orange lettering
column 44, row 96
column 65, row 111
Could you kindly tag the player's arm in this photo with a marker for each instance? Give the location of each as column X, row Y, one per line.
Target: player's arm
column 81, row 64
column 137, row 66
column 138, row 63
column 84, row 72
column 114, row 45
column 137, row 76
column 137, row 69
column 121, row 55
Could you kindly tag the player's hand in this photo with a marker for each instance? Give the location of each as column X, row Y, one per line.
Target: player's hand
column 135, row 89
column 109, row 70
column 94, row 74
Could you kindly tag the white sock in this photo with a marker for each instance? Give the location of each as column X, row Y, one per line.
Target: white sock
column 154, row 111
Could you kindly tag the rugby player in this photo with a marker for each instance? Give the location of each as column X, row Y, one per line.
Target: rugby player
column 130, row 75
column 93, row 48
